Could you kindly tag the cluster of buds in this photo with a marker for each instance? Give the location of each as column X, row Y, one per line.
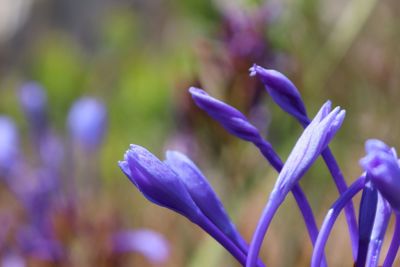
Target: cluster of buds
column 50, row 221
column 177, row 183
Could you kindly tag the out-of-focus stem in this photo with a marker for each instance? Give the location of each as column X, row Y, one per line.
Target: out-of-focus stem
column 221, row 238
column 394, row 245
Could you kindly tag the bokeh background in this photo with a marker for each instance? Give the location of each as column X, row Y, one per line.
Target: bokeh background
column 139, row 57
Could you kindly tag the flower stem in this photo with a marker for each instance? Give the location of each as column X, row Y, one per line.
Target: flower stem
column 275, row 200
column 331, row 217
column 221, row 238
column 394, row 246
column 342, row 187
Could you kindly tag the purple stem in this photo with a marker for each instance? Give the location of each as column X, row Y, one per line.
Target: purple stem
column 368, row 213
column 298, row 194
column 331, row 217
column 275, row 200
column 342, row 187
column 221, row 238
column 394, row 246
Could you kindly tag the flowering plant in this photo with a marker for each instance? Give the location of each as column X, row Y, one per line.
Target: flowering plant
column 179, row 185
column 53, row 200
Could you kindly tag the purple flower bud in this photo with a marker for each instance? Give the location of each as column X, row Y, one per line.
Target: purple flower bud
column 203, row 194
column 311, row 143
column 161, row 185
column 282, row 91
column 309, row 146
column 235, row 123
column 87, row 122
column 33, row 100
column 383, row 168
column 150, row 244
column 158, row 182
column 9, row 144
column 229, row 117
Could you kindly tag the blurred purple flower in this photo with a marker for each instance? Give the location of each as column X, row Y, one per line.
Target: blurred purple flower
column 52, row 152
column 150, row 244
column 9, row 144
column 36, row 245
column 309, row 146
column 12, row 259
column 87, row 121
column 383, row 167
column 33, row 100
column 34, row 189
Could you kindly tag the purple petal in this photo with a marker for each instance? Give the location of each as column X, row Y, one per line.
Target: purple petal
column 202, row 193
column 282, row 91
column 229, row 117
column 149, row 243
column 157, row 181
column 309, row 146
column 9, row 143
column 12, row 260
column 384, row 171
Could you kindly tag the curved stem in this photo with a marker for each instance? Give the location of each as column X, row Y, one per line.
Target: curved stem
column 331, row 217
column 268, row 213
column 342, row 187
column 221, row 238
column 394, row 246
column 298, row 194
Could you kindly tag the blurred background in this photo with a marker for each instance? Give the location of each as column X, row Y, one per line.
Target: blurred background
column 137, row 58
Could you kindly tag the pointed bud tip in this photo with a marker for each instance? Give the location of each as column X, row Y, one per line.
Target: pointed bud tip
column 196, row 91
column 253, row 70
column 258, row 70
column 340, row 116
column 172, row 154
column 374, row 145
